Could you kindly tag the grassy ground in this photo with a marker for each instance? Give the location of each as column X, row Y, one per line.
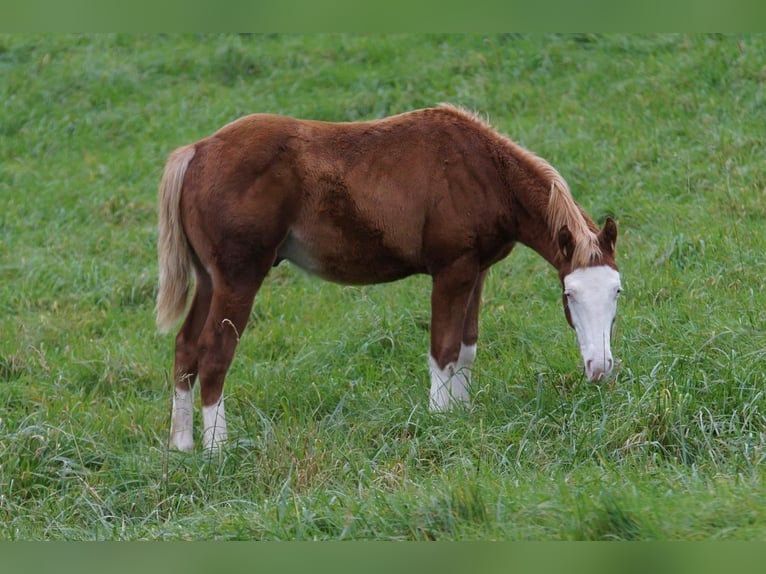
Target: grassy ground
column 327, row 398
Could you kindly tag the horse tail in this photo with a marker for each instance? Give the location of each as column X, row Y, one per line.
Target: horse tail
column 172, row 245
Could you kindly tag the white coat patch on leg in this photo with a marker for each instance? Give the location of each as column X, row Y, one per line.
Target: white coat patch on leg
column 214, row 425
column 440, row 385
column 465, row 363
column 181, row 437
column 449, row 386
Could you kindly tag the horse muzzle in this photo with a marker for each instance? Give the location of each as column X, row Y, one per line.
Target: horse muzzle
column 597, row 369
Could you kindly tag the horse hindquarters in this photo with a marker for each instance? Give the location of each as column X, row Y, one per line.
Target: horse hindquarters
column 232, row 247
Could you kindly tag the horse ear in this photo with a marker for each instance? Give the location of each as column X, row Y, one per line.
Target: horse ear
column 608, row 234
column 566, row 242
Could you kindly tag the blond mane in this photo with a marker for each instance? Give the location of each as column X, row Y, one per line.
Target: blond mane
column 561, row 209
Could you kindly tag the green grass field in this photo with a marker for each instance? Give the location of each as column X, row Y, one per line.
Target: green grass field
column 327, row 398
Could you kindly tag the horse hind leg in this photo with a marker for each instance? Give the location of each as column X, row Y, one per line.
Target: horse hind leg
column 186, row 365
column 230, row 309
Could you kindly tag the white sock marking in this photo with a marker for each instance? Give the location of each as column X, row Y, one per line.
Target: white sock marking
column 181, row 437
column 466, row 358
column 449, row 386
column 214, row 424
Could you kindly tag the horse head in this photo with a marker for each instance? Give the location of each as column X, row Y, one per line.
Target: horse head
column 590, row 294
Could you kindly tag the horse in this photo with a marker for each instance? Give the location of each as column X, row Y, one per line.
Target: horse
column 434, row 191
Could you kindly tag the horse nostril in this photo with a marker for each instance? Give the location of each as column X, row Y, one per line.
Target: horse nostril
column 609, row 365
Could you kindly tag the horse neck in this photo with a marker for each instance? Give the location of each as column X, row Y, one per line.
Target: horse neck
column 542, row 205
column 531, row 193
column 534, row 232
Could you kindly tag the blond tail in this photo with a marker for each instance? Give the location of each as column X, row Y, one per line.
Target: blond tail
column 172, row 246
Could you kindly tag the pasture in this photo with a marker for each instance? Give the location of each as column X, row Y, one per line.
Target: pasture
column 330, row 433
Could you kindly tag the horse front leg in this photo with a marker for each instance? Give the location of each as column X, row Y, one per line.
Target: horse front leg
column 450, row 359
column 467, row 354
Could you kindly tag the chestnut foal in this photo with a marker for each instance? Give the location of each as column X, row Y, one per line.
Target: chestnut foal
column 433, row 191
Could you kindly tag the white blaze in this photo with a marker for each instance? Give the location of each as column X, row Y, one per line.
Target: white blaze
column 591, row 295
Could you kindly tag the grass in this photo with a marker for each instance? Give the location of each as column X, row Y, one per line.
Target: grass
column 327, row 398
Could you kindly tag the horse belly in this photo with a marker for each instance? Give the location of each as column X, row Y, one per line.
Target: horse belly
column 334, row 260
